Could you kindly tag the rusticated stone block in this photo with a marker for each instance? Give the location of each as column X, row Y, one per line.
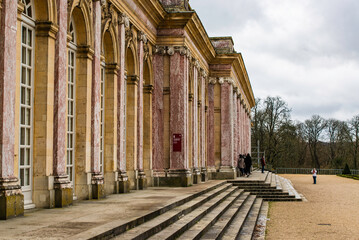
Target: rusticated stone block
column 11, row 205
column 98, row 191
column 63, row 197
column 123, row 186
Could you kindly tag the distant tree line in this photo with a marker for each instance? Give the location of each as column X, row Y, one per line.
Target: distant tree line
column 316, row 142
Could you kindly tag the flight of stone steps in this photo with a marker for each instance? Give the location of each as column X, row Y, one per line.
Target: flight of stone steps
column 271, row 188
column 224, row 211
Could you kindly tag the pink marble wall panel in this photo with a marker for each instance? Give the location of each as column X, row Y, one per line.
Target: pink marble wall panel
column 60, row 87
column 7, row 86
column 178, row 108
column 157, row 114
column 195, row 119
column 121, row 161
column 96, row 90
column 210, row 125
column 140, row 109
column 226, row 125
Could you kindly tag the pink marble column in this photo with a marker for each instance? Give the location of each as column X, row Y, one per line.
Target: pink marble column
column 121, row 160
column 239, row 139
column 179, row 108
column 97, row 176
column 10, row 190
column 158, row 163
column 141, row 41
column 210, row 126
column 235, row 128
column 195, row 121
column 203, row 125
column 60, row 101
column 226, row 125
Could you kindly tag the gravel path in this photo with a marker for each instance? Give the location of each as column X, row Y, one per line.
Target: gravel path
column 330, row 212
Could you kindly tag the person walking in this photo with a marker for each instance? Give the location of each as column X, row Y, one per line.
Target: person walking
column 314, row 172
column 263, row 163
column 248, row 163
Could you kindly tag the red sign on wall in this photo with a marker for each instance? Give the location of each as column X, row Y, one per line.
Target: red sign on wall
column 177, row 143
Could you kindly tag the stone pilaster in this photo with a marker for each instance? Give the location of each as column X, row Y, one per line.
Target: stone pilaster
column 11, row 198
column 239, row 138
column 62, row 186
column 97, row 176
column 227, row 166
column 122, row 184
column 142, row 182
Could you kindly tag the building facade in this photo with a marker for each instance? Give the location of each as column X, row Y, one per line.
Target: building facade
column 101, row 97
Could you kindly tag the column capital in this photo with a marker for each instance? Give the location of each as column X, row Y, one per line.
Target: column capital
column 212, row 80
column 141, row 36
column 203, row 73
column 123, row 19
column 222, row 80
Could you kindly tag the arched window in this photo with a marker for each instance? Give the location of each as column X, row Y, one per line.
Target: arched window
column 26, row 100
column 71, row 105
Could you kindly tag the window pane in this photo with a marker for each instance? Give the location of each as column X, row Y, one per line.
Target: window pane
column 27, row 156
column 22, row 98
column 22, row 177
column 22, row 117
column 28, row 136
column 27, row 116
column 29, row 35
column 28, row 79
column 24, row 35
column 22, row 157
column 22, row 136
column 27, row 177
column 29, row 55
column 28, row 96
column 29, row 11
column 23, row 75
column 23, row 55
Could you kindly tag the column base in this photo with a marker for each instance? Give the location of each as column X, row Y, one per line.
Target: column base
column 142, row 180
column 63, row 191
column 196, row 176
column 204, row 175
column 11, row 199
column 122, row 184
column 98, row 189
column 225, row 172
column 173, row 178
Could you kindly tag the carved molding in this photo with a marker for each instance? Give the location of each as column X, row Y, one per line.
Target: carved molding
column 108, row 15
column 196, row 64
column 161, row 50
column 146, row 51
column 170, row 50
column 141, row 36
column 148, row 88
column 133, row 80
column 128, row 36
column 203, row 73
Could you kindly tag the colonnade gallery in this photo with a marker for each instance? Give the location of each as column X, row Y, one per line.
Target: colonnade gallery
column 99, row 97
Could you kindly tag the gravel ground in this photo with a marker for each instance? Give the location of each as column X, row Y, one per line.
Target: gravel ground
column 330, row 212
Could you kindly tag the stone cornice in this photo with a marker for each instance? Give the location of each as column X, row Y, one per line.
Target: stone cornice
column 85, row 52
column 148, row 89
column 132, row 80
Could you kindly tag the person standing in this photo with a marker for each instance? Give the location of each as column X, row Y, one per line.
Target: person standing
column 314, row 172
column 248, row 162
column 263, row 163
column 241, row 164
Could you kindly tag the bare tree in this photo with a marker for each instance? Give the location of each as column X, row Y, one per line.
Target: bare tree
column 313, row 130
column 333, row 127
column 354, row 133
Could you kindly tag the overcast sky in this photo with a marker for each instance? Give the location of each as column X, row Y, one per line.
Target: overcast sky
column 305, row 51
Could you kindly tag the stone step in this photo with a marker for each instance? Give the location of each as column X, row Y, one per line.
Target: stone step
column 179, row 227
column 268, row 178
column 282, row 199
column 218, row 229
column 273, row 196
column 268, row 193
column 150, row 226
column 237, row 224
column 219, row 216
column 246, row 232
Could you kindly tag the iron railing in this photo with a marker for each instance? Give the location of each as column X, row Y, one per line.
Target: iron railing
column 308, row 171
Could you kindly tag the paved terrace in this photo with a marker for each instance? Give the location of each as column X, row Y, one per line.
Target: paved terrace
column 91, row 217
